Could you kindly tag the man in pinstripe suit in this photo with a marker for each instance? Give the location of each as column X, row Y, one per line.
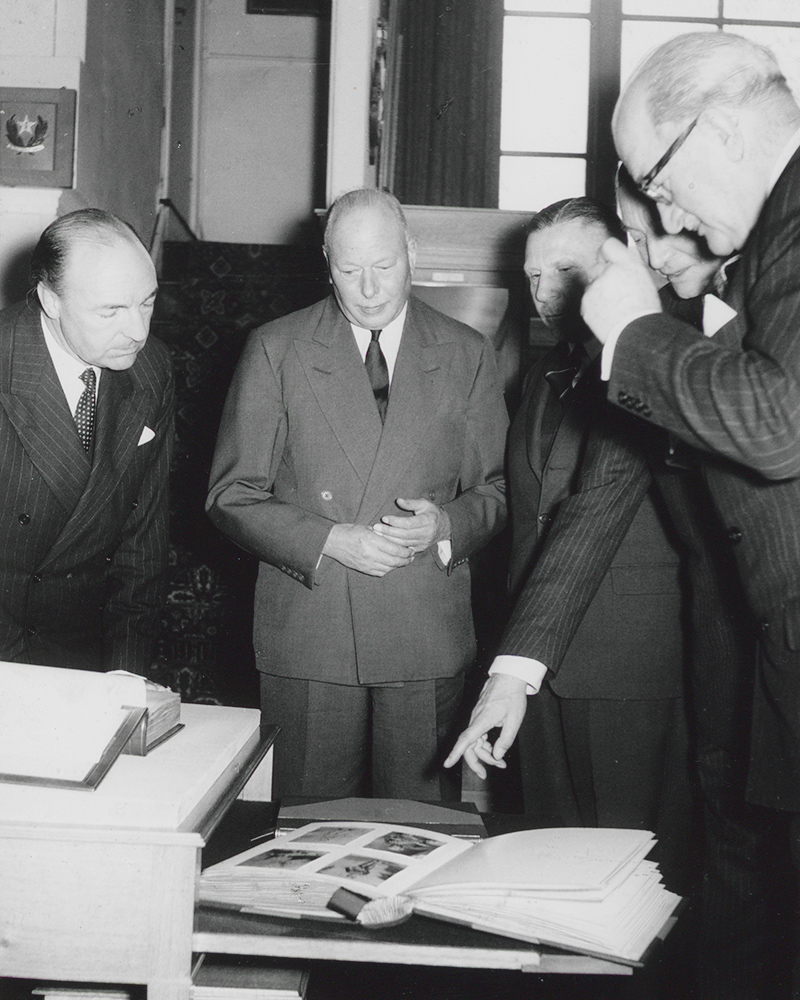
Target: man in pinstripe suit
column 597, row 622
column 711, row 131
column 83, row 501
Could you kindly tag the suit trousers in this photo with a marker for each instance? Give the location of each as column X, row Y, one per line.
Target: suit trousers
column 339, row 740
column 747, row 938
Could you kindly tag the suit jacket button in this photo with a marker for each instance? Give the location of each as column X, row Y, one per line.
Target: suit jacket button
column 31, row 630
column 37, row 577
column 134, row 505
column 326, row 495
column 735, row 535
column 545, row 518
column 24, row 518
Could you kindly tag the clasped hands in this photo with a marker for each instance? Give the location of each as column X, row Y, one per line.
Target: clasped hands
column 392, row 542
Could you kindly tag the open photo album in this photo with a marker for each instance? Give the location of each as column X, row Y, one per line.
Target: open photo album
column 582, row 889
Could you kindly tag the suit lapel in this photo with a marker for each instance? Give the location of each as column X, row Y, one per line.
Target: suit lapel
column 121, row 413
column 414, row 398
column 556, row 438
column 341, row 386
column 547, row 410
column 35, row 404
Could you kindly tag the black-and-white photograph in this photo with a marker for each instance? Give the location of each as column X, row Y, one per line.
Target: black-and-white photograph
column 400, row 439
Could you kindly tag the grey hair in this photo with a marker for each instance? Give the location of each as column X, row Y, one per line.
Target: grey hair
column 695, row 71
column 364, row 198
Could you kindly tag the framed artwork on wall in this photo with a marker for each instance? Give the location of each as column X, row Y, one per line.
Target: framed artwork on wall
column 37, row 137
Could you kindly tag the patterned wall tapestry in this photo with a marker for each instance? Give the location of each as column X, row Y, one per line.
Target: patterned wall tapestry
column 211, row 296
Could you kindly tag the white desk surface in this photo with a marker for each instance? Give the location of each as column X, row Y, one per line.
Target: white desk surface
column 158, row 792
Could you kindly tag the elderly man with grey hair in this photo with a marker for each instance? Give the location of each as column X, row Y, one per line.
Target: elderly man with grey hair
column 710, row 130
column 360, row 457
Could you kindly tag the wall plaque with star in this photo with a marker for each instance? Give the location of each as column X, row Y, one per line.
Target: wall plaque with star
column 37, row 137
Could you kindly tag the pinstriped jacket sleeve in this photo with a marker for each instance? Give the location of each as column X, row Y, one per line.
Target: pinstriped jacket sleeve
column 580, row 546
column 135, row 604
column 737, row 394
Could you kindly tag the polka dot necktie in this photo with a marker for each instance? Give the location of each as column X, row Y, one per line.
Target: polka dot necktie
column 378, row 372
column 85, row 410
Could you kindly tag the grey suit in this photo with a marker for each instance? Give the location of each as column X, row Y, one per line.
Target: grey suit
column 301, row 448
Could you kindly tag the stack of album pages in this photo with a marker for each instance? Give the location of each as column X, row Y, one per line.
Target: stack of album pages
column 586, row 890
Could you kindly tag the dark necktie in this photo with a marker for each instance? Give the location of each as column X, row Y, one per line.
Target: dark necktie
column 562, row 377
column 378, row 372
column 85, row 410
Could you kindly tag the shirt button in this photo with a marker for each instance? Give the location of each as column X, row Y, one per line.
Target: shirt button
column 326, row 495
column 24, row 518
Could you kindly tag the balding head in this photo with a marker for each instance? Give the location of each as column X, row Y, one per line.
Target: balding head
column 700, row 125
column 370, row 257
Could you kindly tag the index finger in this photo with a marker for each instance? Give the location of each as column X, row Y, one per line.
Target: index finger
column 470, row 735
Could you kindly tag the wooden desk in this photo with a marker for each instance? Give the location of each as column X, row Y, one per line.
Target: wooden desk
column 99, row 886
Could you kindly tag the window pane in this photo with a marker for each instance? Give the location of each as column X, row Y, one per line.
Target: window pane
column 784, row 42
column 545, row 95
column 762, row 10
column 639, row 37
column 529, row 183
column 551, row 6
column 671, row 8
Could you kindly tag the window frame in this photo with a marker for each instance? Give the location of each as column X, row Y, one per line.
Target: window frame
column 605, row 59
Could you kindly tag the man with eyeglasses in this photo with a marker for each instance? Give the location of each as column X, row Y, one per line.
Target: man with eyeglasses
column 709, row 127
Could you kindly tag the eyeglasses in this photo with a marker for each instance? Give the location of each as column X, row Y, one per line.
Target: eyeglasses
column 645, row 185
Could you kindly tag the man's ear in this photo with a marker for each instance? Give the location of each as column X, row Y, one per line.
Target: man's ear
column 726, row 125
column 327, row 264
column 412, row 251
column 50, row 302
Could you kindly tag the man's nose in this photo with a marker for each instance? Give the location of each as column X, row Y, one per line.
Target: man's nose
column 547, row 290
column 138, row 324
column 658, row 252
column 672, row 218
column 369, row 286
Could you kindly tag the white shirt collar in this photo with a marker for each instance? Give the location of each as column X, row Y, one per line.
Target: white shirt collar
column 779, row 166
column 68, row 369
column 390, row 339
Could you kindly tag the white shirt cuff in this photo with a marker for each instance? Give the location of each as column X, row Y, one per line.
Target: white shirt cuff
column 521, row 667
column 445, row 549
column 611, row 343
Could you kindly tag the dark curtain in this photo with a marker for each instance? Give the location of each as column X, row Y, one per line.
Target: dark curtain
column 447, row 127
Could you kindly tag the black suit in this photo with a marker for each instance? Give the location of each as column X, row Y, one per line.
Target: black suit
column 598, row 600
column 83, row 542
column 736, row 397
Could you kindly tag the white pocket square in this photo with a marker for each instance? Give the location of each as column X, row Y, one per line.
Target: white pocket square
column 147, row 435
column 716, row 314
